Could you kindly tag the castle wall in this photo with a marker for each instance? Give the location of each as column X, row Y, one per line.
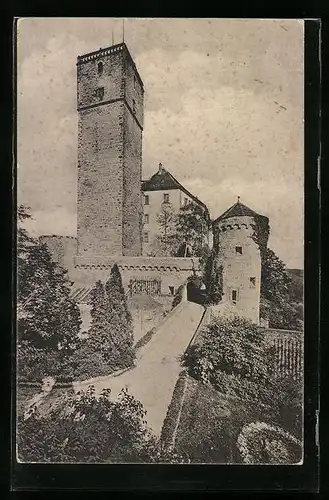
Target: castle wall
column 172, row 271
column 238, row 269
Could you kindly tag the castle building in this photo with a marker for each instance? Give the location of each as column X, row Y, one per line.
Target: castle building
column 239, row 255
column 110, row 97
column 161, row 189
column 116, row 209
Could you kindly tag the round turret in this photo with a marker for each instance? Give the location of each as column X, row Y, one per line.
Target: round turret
column 239, row 254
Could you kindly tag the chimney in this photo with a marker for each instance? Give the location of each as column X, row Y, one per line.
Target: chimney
column 160, row 168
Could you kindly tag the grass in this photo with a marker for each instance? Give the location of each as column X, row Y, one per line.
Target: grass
column 211, row 422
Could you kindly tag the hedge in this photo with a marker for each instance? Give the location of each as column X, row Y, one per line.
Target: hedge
column 173, row 412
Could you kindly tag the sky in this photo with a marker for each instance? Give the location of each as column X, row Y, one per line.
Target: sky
column 223, row 113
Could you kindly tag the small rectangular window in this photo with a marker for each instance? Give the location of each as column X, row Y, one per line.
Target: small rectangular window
column 185, row 201
column 252, row 281
column 146, row 200
column 146, row 237
column 100, row 93
column 134, row 106
column 146, row 218
column 234, row 296
column 238, row 250
column 166, row 198
column 172, row 290
column 134, row 81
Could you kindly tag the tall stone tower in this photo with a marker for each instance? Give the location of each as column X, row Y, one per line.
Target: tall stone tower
column 110, row 123
column 240, row 256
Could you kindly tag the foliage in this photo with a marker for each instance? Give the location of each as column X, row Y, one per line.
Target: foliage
column 192, row 227
column 165, row 244
column 48, row 320
column 279, row 303
column 178, row 296
column 213, row 279
column 261, row 232
column 111, row 331
column 233, row 346
column 145, row 339
column 34, row 364
column 85, row 428
column 259, row 442
column 173, row 412
column 89, row 363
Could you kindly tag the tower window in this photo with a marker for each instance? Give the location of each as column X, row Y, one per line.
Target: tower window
column 146, row 200
column 134, row 106
column 166, row 198
column 234, row 296
column 172, row 290
column 146, row 237
column 238, row 250
column 252, row 280
column 100, row 93
column 100, row 68
column 146, row 218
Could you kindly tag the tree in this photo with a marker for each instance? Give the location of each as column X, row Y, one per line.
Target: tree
column 48, row 320
column 192, row 227
column 278, row 297
column 111, row 331
column 213, row 278
column 165, row 243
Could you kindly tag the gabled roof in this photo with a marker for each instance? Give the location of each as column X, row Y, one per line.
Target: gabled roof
column 163, row 180
column 238, row 210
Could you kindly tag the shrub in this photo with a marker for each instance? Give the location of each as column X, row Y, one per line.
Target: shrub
column 171, row 419
column 259, row 442
column 145, row 339
column 233, row 346
column 85, row 428
column 178, row 296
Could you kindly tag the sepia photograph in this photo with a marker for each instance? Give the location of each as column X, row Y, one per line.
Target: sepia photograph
column 160, row 241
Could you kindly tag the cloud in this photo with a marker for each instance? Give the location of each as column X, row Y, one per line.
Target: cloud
column 223, row 112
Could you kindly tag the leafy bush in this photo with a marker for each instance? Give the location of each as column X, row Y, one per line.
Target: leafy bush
column 34, row 364
column 145, row 339
column 85, row 428
column 259, row 442
column 88, row 363
column 232, row 346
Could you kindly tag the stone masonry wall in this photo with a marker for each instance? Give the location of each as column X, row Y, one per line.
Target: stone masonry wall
column 238, row 269
column 109, row 154
column 100, row 180
column 172, row 271
column 132, row 195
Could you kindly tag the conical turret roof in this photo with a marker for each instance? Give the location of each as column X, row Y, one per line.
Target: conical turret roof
column 238, row 210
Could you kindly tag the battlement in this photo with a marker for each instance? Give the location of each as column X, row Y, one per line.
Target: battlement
column 234, row 223
column 57, row 236
column 97, row 54
column 141, row 264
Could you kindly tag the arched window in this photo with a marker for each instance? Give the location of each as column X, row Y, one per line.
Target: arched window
column 100, row 68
